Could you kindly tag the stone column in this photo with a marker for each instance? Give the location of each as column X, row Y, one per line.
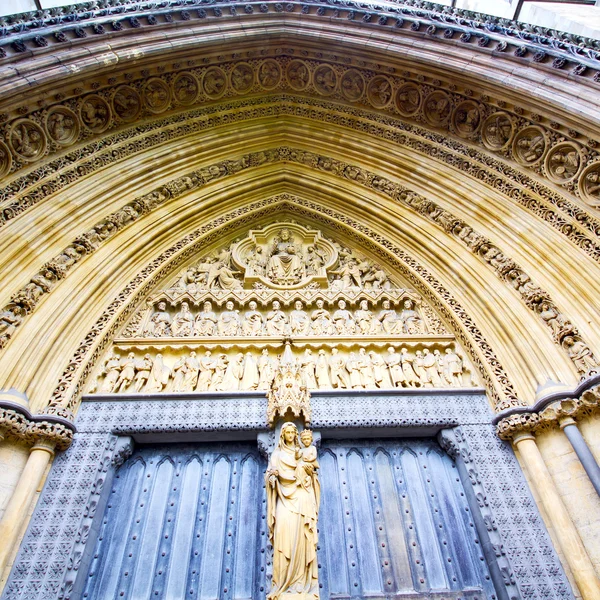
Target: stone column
column 17, row 508
column 568, row 538
column 568, row 425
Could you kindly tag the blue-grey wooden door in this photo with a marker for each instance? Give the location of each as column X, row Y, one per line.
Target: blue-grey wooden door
column 188, row 522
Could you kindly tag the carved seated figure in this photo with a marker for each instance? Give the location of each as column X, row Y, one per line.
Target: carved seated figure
column 410, row 320
column 160, row 322
column 388, row 318
column 206, row 321
column 285, row 264
column 299, row 320
column 253, row 321
column 276, row 320
column 321, row 320
column 183, row 323
column 229, row 321
column 343, row 320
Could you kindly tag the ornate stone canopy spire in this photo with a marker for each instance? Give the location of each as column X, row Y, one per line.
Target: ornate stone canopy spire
column 288, row 396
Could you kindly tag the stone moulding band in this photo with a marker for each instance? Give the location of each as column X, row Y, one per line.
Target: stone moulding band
column 67, row 393
column 401, row 17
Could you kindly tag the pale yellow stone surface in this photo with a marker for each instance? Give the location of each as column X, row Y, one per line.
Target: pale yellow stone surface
column 575, row 489
column 13, row 457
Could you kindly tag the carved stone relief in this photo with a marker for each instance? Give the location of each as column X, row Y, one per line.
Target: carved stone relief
column 5, row 159
column 497, row 131
column 353, row 85
column 62, row 125
column 529, row 151
column 185, row 89
column 589, row 185
column 466, row 118
column 298, row 75
column 351, row 327
column 214, row 83
column 127, row 103
column 325, row 80
column 530, row 146
column 437, row 108
column 157, row 95
column 408, row 99
column 380, row 91
column 563, row 162
column 95, row 113
column 242, row 78
column 27, row 140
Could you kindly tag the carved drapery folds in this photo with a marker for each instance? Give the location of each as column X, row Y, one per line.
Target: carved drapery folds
column 283, row 296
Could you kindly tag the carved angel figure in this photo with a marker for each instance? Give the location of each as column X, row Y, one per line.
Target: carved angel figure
column 580, row 354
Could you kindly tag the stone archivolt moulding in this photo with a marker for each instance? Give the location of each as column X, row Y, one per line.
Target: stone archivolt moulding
column 549, row 151
column 507, row 270
column 551, row 410
column 66, row 396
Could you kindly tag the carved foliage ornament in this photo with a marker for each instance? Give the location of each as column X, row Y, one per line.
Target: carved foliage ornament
column 284, row 267
column 69, row 388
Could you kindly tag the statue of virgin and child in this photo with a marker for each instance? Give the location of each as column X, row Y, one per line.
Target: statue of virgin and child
column 293, row 496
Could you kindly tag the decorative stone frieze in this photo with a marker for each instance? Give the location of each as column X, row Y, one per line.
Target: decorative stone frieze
column 550, row 154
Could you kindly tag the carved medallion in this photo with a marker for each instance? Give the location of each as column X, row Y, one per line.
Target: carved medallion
column 497, row 131
column 298, row 75
column 126, row 103
column 185, row 89
column 157, row 95
column 5, row 159
column 380, row 91
column 325, row 80
column 95, row 113
column 408, row 99
column 62, row 125
column 563, row 162
column 27, row 140
column 466, row 118
column 437, row 108
column 269, row 74
column 530, row 145
column 353, row 85
column 589, row 185
column 214, row 83
column 242, row 78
